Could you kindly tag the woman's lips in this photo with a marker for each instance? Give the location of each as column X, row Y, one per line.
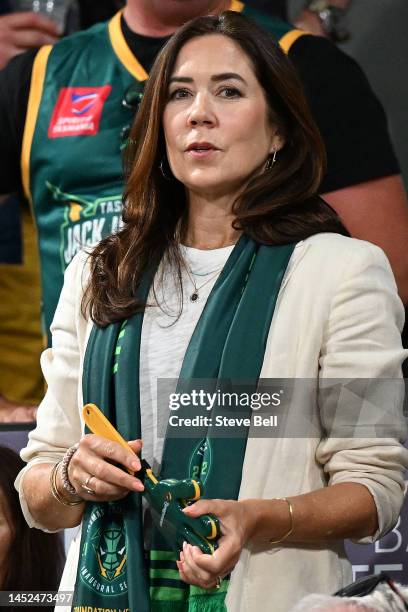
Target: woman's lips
column 201, row 153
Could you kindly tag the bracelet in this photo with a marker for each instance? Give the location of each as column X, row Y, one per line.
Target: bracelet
column 55, row 492
column 287, row 534
column 66, row 483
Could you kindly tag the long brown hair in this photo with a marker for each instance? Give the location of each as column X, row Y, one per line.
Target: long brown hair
column 277, row 207
column 36, row 559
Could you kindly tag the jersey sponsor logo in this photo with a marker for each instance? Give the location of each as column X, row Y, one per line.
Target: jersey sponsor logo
column 85, row 221
column 82, row 103
column 78, row 111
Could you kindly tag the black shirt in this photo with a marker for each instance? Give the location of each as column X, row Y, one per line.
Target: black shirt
column 276, row 8
column 350, row 117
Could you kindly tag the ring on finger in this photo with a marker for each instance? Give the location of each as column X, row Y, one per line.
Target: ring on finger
column 86, row 488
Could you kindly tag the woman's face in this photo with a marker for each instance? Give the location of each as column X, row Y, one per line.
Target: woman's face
column 216, row 122
column 6, row 535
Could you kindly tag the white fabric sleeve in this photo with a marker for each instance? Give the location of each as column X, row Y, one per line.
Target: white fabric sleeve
column 59, row 423
column 362, row 335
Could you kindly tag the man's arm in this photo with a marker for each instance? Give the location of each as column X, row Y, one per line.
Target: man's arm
column 377, row 211
column 363, row 182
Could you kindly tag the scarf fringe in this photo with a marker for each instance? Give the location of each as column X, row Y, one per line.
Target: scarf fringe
column 198, row 603
column 203, row 603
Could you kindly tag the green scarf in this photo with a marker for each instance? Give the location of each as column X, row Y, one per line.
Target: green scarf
column 228, row 343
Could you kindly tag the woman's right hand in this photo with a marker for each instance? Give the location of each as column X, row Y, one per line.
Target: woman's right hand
column 92, row 466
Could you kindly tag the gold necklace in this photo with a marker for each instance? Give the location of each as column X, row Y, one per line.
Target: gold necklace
column 195, row 295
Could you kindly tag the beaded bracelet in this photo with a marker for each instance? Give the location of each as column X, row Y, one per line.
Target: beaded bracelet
column 56, row 493
column 66, row 483
column 287, row 534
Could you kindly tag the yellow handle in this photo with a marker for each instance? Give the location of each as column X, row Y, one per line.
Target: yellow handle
column 99, row 425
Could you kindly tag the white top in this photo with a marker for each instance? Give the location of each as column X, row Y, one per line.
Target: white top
column 338, row 315
column 165, row 337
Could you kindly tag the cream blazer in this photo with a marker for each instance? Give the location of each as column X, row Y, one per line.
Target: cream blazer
column 338, row 315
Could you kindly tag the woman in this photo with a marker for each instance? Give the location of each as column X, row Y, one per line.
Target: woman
column 252, row 278
column 30, row 560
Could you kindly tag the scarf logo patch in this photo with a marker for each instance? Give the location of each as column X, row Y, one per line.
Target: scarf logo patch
column 103, row 557
column 78, row 111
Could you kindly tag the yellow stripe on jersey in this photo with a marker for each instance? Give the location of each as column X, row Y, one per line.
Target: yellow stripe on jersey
column 123, row 51
column 236, row 6
column 21, row 315
column 34, row 99
column 290, row 38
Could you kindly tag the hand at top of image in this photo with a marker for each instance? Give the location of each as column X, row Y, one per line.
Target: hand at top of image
column 22, row 31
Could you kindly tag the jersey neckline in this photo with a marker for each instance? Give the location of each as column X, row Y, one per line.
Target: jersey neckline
column 123, row 51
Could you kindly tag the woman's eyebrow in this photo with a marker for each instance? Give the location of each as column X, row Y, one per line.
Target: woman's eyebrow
column 224, row 76
column 180, row 79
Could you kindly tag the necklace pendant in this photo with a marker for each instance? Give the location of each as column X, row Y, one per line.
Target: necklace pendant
column 194, row 297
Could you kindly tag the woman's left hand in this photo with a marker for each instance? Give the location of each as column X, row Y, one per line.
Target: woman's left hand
column 204, row 570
